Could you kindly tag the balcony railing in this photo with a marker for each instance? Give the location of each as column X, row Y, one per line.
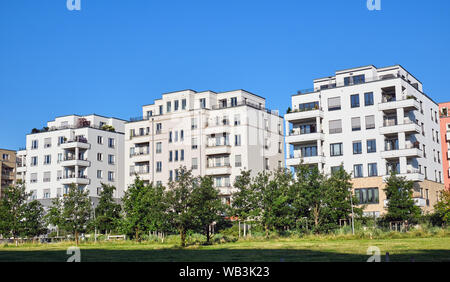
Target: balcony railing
column 297, row 132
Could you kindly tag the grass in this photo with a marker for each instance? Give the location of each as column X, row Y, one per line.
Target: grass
column 309, row 248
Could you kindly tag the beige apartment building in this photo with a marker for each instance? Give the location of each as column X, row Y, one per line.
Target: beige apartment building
column 7, row 168
column 216, row 134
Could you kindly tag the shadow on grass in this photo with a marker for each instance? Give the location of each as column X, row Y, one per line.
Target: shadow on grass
column 217, row 255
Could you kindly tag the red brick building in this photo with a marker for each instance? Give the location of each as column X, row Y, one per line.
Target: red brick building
column 444, row 109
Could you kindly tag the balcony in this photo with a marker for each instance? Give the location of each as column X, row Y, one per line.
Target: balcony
column 217, row 149
column 420, row 202
column 81, row 180
column 297, row 138
column 297, row 160
column 72, row 161
column 301, row 115
column 76, row 144
column 407, row 104
column 392, row 127
column 411, row 175
column 410, row 151
column 218, row 170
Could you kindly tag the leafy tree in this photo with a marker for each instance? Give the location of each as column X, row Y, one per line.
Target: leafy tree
column 33, row 223
column 13, row 207
column 76, row 211
column 157, row 218
column 107, row 212
column 135, row 210
column 53, row 217
column 401, row 206
column 208, row 207
column 181, row 204
column 245, row 200
column 442, row 209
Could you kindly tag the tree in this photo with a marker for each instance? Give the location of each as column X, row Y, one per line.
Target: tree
column 33, row 223
column 156, row 217
column 53, row 216
column 76, row 211
column 442, row 209
column 13, row 207
column 245, row 200
column 400, row 206
column 208, row 207
column 107, row 212
column 135, row 210
column 181, row 204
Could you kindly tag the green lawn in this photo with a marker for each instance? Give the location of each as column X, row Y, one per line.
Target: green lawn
column 299, row 250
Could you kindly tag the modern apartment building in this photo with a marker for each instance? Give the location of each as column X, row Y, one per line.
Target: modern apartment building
column 216, row 134
column 444, row 110
column 7, row 168
column 372, row 121
column 85, row 150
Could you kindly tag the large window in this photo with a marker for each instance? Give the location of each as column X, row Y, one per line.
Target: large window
column 356, row 124
column 370, row 122
column 308, row 106
column 357, row 147
column 335, row 126
column 371, row 146
column 310, row 151
column 358, row 170
column 368, row 99
column 334, row 104
column 367, row 195
column 357, row 79
column 354, row 100
column 373, row 170
column 336, row 149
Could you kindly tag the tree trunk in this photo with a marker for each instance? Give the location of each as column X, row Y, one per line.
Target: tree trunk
column 137, row 235
column 207, row 233
column 76, row 237
column 183, row 237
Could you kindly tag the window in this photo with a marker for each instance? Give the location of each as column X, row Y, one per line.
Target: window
column 358, row 170
column 47, row 142
column 370, row 122
column 110, row 176
column 61, row 140
column 111, row 143
column 357, row 148
column 335, row 169
column 357, row 79
column 354, row 100
column 33, row 178
column 336, row 149
column 176, row 105
column 170, row 137
column 182, row 135
column 308, row 106
column 170, row 156
column 111, row 159
column 168, row 107
column 194, row 143
column 176, row 155
column 158, row 128
column 233, row 101
column 334, row 104
column 47, row 159
column 237, row 119
column 309, row 151
column 335, row 126
column 193, row 123
column 99, row 174
column 170, row 175
column 371, row 146
column 367, row 195
column 158, row 166
column 158, row 147
column 237, row 161
column 34, row 144
column 202, row 103
column 194, row 163
column 99, row 157
column 46, row 193
column 5, row 157
column 160, row 109
column 373, row 170
column 237, row 140
column 149, row 114
column 182, row 155
column 266, row 163
column 99, row 140
column 356, row 124
column 183, row 104
column 47, row 176
column 368, row 99
column 34, row 161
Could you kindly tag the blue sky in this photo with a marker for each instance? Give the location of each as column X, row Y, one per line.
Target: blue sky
column 115, row 55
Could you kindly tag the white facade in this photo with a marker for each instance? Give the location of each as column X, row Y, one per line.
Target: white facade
column 369, row 119
column 217, row 134
column 74, row 149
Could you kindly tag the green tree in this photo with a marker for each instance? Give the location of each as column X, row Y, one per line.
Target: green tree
column 400, row 206
column 157, row 217
column 135, row 209
column 441, row 213
column 76, row 211
column 208, row 207
column 13, row 207
column 107, row 212
column 181, row 204
column 245, row 205
column 53, row 217
column 34, row 223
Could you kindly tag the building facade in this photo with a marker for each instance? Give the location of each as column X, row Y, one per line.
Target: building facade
column 372, row 121
column 444, row 110
column 84, row 150
column 216, row 134
column 7, row 169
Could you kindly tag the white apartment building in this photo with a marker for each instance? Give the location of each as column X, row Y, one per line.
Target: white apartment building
column 371, row 120
column 216, row 134
column 85, row 150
